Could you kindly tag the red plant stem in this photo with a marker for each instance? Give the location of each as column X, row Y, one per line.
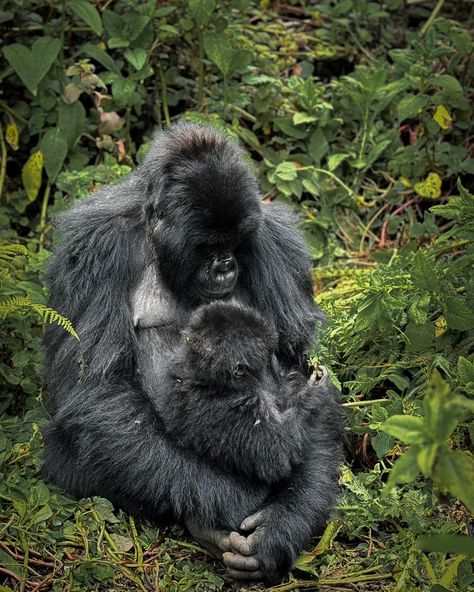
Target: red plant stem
column 399, row 210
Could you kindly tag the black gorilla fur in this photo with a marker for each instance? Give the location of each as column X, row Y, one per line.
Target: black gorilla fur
column 186, row 227
column 222, row 394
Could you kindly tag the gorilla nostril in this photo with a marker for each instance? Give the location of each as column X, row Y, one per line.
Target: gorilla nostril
column 223, row 265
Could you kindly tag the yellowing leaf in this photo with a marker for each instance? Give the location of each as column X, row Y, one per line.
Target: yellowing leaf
column 442, row 117
column 31, row 175
column 441, row 326
column 11, row 135
column 430, row 187
column 404, row 181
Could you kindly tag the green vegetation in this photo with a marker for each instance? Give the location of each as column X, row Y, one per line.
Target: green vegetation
column 358, row 114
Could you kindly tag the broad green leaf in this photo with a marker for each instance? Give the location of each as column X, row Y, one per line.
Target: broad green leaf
column 286, row 125
column 99, row 55
column 201, row 10
column 318, row 146
column 86, row 11
column 457, row 313
column 137, row 57
column 31, row 174
column 405, row 470
column 241, row 59
column 420, row 337
column 406, row 428
column 72, row 121
column 442, row 117
column 430, row 187
column 43, row 514
column 33, row 65
column 219, row 50
column 449, row 83
column 286, row 171
column 447, row 543
column 54, row 148
column 454, row 472
column 426, row 458
column 465, row 370
column 334, row 160
column 410, row 107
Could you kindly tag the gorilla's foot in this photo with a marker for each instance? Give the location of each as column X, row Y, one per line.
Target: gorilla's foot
column 229, row 547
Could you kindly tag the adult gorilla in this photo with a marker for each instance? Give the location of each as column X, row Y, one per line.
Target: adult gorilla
column 185, row 228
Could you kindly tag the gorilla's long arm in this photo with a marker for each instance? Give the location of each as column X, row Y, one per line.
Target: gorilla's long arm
column 110, row 443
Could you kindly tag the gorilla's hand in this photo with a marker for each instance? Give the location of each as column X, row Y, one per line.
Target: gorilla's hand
column 241, row 566
column 261, row 555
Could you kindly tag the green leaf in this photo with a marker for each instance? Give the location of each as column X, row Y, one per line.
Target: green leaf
column 33, row 65
column 88, row 13
column 43, row 514
column 31, row 175
column 54, row 147
column 201, row 10
column 424, row 273
column 99, row 55
column 219, row 50
column 406, row 428
column 334, row 160
column 454, row 472
column 286, row 125
column 299, row 118
column 465, row 370
column 286, row 171
column 420, row 337
column 447, row 543
column 318, row 146
column 410, row 107
column 426, row 458
column 405, row 470
column 457, row 313
column 72, row 121
column 137, row 57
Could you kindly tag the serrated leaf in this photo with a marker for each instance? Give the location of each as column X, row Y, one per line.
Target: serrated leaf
column 457, row 313
column 465, row 370
column 430, row 187
column 54, row 147
column 443, row 118
column 88, row 13
column 423, row 273
column 406, row 428
column 11, row 135
column 454, row 472
column 31, row 174
column 33, row 65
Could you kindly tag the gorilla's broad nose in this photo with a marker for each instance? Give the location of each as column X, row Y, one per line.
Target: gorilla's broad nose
column 223, row 264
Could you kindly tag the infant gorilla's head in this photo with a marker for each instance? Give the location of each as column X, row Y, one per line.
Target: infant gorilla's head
column 228, row 344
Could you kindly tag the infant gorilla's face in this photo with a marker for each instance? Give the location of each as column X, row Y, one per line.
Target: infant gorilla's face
column 229, row 344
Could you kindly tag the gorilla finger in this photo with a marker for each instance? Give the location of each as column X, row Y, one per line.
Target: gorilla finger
column 212, row 549
column 253, row 521
column 241, row 545
column 239, row 562
column 245, row 576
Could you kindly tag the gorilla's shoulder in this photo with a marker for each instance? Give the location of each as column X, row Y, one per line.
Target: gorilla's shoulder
column 115, row 207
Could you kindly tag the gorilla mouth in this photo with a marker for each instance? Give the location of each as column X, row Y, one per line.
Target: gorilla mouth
column 222, row 285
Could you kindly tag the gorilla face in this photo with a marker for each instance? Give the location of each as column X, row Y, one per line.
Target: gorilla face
column 204, row 214
column 228, row 345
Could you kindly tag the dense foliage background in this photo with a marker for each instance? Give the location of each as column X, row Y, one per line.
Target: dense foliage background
column 356, row 113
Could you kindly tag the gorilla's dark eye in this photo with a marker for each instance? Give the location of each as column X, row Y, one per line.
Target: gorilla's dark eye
column 239, row 370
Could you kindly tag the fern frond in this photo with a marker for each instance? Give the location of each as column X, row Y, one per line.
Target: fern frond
column 18, row 304
column 8, row 252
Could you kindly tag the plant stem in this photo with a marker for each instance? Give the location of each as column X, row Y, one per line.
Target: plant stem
column 201, row 71
column 365, row 403
column 44, row 212
column 164, row 96
column 3, row 163
column 433, row 15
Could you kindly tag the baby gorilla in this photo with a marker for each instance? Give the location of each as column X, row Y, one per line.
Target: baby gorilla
column 222, row 395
